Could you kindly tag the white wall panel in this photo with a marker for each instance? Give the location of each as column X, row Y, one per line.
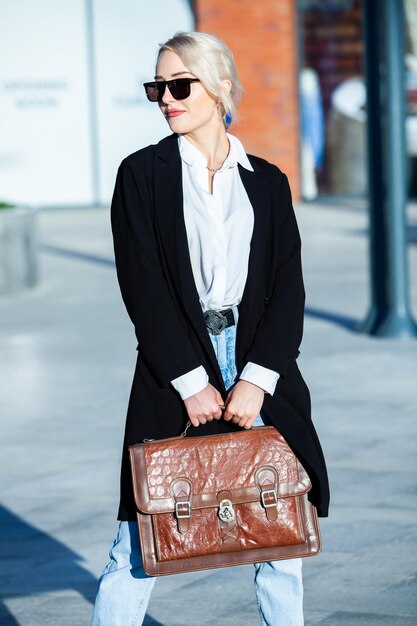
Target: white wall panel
column 45, row 153
column 126, row 36
column 72, row 103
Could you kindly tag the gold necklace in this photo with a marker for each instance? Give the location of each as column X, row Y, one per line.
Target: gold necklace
column 211, row 169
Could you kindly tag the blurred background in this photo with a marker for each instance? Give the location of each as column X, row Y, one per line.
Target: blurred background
column 331, row 98
column 72, row 103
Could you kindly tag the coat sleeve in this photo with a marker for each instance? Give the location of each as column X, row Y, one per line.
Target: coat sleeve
column 160, row 328
column 279, row 332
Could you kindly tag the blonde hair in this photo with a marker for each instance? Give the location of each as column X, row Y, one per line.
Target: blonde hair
column 210, row 60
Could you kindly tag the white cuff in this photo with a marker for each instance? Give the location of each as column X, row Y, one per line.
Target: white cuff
column 261, row 376
column 190, row 383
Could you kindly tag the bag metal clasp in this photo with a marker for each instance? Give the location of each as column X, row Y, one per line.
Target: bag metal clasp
column 226, row 511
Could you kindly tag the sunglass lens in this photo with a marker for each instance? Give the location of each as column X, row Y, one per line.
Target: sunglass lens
column 180, row 88
column 152, row 92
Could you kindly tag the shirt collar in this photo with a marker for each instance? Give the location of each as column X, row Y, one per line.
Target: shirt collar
column 192, row 155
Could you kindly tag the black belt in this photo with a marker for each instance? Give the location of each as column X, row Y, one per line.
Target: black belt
column 216, row 321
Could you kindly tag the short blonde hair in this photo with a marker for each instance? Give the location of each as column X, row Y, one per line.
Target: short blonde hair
column 210, row 60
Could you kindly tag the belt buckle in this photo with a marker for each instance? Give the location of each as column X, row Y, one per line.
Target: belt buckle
column 215, row 321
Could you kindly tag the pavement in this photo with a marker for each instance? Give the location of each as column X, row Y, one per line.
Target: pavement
column 67, row 354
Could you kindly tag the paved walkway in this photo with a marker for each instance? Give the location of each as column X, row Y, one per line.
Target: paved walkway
column 67, row 354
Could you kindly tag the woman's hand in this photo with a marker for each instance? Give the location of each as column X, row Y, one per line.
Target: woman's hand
column 204, row 406
column 243, row 403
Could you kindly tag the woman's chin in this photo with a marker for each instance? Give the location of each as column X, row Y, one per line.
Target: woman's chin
column 177, row 126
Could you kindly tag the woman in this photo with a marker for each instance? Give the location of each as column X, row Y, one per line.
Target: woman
column 208, row 260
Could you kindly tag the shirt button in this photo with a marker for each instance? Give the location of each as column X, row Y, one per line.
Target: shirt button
column 266, row 301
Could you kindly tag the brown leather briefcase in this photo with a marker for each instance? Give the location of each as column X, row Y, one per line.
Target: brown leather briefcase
column 220, row 500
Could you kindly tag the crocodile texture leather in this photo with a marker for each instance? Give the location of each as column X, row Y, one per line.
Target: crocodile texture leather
column 255, row 470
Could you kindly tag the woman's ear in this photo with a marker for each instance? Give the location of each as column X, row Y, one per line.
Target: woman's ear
column 227, row 84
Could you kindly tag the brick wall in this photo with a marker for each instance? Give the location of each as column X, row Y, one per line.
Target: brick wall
column 262, row 37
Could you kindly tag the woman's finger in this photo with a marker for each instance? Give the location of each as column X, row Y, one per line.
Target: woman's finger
column 217, row 414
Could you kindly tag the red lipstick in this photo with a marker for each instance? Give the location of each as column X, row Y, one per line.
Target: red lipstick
column 174, row 112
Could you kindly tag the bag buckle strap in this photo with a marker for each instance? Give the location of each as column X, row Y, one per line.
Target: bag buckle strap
column 182, row 490
column 267, row 480
column 269, row 498
column 180, row 513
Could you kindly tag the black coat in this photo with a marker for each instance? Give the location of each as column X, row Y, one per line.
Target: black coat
column 157, row 285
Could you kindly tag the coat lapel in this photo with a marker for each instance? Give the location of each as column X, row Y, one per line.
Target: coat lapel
column 257, row 192
column 171, row 226
column 172, row 229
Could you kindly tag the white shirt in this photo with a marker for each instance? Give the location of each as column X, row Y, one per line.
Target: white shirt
column 219, row 229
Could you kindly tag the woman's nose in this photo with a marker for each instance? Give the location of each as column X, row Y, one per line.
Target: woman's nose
column 167, row 96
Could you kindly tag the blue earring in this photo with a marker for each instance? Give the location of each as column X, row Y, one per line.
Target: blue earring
column 228, row 118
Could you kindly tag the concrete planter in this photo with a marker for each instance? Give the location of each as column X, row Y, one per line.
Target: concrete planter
column 19, row 261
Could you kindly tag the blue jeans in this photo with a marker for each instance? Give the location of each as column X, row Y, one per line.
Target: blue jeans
column 124, row 588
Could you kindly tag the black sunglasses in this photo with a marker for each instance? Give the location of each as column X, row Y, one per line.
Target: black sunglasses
column 179, row 88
